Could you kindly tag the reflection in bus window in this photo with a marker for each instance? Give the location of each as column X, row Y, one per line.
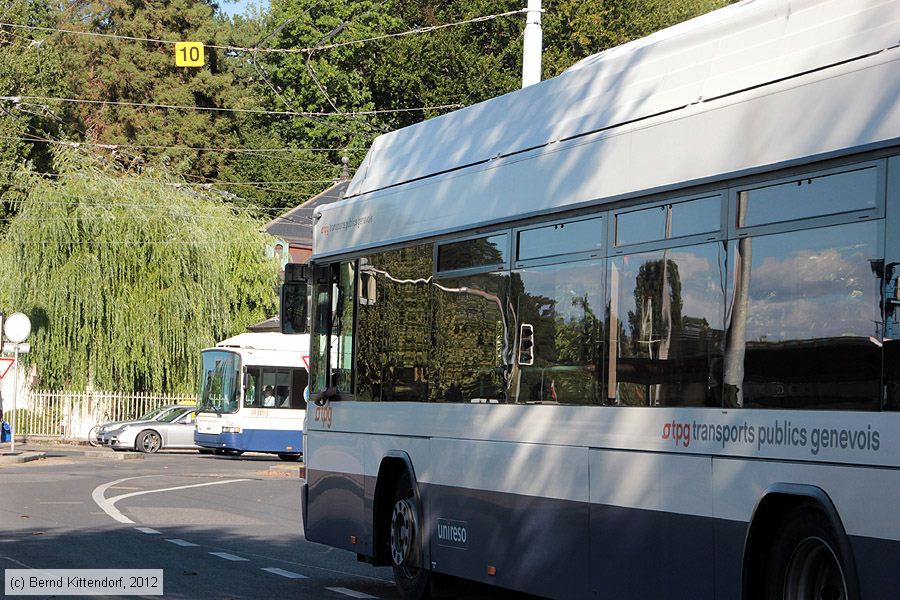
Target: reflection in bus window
column 468, row 254
column 667, row 221
column 564, row 304
column 666, row 327
column 560, row 238
column 805, row 319
column 393, row 334
column 472, row 356
column 809, row 197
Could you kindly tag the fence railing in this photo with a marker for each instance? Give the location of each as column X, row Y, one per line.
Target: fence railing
column 71, row 415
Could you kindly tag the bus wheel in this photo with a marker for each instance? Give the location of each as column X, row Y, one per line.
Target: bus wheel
column 805, row 563
column 289, row 457
column 205, row 450
column 149, row 442
column 406, row 546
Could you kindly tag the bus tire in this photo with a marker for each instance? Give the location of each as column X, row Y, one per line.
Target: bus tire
column 406, row 543
column 288, row 457
column 806, row 561
column 206, row 451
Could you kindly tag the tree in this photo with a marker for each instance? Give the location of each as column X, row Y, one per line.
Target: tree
column 127, row 276
column 27, row 67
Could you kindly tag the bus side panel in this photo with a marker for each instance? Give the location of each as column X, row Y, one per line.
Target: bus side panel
column 651, row 526
column 335, row 501
column 520, row 508
column 869, row 519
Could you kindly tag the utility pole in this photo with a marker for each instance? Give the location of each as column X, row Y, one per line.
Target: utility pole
column 531, row 59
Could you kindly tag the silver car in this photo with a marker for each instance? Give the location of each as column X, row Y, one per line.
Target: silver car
column 169, row 427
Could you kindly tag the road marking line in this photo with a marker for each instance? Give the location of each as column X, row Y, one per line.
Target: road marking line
column 350, row 593
column 283, row 573
column 109, row 504
column 21, row 564
column 183, row 543
column 147, row 530
column 227, row 556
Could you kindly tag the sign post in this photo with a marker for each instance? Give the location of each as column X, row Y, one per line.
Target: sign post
column 17, row 329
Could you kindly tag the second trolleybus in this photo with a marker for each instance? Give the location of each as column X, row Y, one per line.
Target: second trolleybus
column 253, row 390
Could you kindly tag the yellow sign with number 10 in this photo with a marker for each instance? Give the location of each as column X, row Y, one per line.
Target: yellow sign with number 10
column 189, row 54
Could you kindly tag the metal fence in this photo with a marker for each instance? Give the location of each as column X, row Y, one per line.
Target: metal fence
column 71, row 415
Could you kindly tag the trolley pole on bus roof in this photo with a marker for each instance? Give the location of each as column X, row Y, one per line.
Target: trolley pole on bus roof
column 533, row 44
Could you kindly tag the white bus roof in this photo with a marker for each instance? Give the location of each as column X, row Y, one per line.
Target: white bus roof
column 269, row 349
column 757, row 84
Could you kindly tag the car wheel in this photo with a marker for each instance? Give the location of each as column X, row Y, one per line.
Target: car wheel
column 149, row 442
column 289, row 457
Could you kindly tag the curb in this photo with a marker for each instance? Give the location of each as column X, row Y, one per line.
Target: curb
column 21, row 457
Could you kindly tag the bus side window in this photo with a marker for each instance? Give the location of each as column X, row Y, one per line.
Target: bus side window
column 251, row 387
column 283, row 396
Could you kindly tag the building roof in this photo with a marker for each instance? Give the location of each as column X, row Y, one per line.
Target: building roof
column 296, row 225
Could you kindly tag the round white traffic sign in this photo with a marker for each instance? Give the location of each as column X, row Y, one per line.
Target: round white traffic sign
column 17, row 327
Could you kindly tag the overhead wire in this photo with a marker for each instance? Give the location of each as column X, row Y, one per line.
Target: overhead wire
column 116, row 145
column 260, row 111
column 232, row 48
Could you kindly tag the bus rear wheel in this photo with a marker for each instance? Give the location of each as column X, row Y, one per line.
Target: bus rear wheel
column 406, row 543
column 289, row 457
column 806, row 563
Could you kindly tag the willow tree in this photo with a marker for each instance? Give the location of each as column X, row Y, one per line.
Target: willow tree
column 126, row 277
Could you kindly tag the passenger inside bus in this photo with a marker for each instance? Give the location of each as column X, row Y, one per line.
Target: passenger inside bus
column 268, row 396
column 283, row 396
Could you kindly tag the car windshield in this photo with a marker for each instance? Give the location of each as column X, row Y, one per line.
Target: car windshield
column 219, row 381
column 172, row 414
column 153, row 414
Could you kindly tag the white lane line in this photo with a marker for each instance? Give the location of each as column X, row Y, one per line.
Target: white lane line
column 147, row 530
column 12, row 560
column 227, row 556
column 351, row 593
column 179, row 542
column 109, row 504
column 283, row 573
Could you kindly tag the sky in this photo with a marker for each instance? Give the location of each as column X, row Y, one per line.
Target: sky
column 236, row 8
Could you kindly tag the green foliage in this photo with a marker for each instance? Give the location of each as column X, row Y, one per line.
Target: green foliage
column 26, row 66
column 126, row 280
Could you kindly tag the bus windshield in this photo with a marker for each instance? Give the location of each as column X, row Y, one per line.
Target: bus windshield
column 219, row 381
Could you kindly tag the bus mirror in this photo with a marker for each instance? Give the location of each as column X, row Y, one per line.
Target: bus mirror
column 296, row 273
column 294, row 313
column 526, row 344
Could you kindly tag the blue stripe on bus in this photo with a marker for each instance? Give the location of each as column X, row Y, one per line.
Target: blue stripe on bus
column 253, row 440
column 569, row 550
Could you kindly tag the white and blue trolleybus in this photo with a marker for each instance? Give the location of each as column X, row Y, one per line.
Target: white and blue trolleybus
column 252, row 395
column 630, row 333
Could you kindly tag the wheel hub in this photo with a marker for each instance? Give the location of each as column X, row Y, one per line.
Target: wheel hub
column 814, row 573
column 403, row 531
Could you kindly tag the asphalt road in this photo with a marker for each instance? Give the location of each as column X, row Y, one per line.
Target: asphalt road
column 219, row 527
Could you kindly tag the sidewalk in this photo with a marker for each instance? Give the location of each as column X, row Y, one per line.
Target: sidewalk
column 35, row 450
column 23, row 454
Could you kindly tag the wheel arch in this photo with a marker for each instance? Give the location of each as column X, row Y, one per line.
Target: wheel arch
column 392, row 466
column 777, row 500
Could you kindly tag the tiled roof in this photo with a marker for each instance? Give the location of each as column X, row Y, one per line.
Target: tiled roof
column 295, row 226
